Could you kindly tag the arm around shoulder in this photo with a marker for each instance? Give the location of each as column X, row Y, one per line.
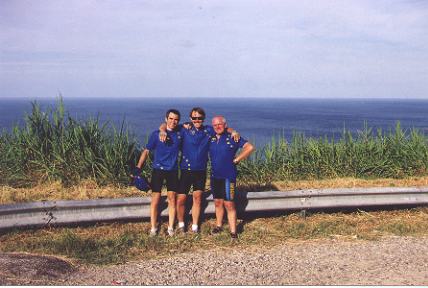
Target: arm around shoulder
column 162, row 132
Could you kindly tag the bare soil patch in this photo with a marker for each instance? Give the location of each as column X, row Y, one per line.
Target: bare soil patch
column 24, row 268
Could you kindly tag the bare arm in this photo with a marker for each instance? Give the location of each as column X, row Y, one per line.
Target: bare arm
column 246, row 151
column 143, row 158
column 162, row 132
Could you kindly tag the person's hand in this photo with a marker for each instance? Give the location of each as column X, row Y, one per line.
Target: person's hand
column 235, row 135
column 235, row 161
column 136, row 172
column 162, row 136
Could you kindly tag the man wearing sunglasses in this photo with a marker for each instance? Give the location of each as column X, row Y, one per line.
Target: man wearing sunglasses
column 193, row 164
column 223, row 172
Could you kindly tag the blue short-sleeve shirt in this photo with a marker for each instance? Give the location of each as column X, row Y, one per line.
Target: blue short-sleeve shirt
column 165, row 153
column 196, row 143
column 222, row 152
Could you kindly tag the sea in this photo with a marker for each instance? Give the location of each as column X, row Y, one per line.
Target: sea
column 257, row 119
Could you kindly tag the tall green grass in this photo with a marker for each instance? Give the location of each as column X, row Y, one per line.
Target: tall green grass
column 52, row 146
column 396, row 153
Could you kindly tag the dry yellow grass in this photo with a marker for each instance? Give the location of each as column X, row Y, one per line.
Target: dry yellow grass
column 90, row 190
column 350, row 183
column 55, row 191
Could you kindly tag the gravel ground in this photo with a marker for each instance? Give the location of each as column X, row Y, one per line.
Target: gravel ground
column 390, row 261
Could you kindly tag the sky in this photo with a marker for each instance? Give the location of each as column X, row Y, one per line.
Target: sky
column 216, row 48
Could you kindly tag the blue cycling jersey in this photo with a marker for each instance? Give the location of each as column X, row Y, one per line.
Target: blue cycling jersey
column 222, row 153
column 165, row 153
column 196, row 143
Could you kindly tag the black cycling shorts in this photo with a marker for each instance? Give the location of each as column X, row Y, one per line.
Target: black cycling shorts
column 188, row 179
column 223, row 189
column 158, row 178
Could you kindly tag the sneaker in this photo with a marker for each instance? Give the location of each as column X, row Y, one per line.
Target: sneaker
column 170, row 231
column 234, row 235
column 195, row 228
column 153, row 232
column 217, row 230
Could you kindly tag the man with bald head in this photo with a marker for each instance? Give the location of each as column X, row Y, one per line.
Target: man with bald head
column 196, row 139
column 223, row 172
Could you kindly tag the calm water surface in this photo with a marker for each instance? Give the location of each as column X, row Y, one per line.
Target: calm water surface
column 256, row 119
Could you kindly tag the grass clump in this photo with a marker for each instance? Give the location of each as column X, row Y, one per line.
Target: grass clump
column 394, row 154
column 52, row 146
column 117, row 243
column 109, row 249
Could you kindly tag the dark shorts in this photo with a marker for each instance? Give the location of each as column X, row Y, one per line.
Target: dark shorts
column 188, row 179
column 223, row 189
column 159, row 176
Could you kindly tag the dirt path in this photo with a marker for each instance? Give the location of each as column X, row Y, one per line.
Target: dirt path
column 390, row 261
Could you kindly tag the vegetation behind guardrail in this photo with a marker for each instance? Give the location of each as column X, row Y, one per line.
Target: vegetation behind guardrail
column 395, row 154
column 52, row 146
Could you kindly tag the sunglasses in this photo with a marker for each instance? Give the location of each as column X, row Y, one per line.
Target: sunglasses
column 198, row 118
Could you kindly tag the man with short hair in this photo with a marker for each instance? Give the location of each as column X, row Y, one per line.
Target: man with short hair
column 223, row 175
column 193, row 164
column 165, row 167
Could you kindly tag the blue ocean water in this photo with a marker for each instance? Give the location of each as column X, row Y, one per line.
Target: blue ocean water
column 256, row 119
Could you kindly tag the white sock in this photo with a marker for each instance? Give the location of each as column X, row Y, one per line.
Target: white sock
column 180, row 224
column 154, row 229
column 170, row 228
column 194, row 227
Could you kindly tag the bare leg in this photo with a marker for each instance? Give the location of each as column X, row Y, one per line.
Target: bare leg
column 181, row 207
column 219, row 211
column 154, row 209
column 171, row 208
column 231, row 215
column 196, row 208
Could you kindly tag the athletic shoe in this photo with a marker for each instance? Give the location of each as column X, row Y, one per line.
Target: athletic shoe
column 234, row 235
column 195, row 228
column 153, row 233
column 170, row 231
column 217, row 230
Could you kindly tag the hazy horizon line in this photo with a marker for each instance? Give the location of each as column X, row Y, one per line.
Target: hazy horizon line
column 217, row 97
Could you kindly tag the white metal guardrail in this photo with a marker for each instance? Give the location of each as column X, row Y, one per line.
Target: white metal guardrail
column 58, row 213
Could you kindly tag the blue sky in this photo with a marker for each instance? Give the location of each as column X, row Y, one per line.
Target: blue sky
column 264, row 48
